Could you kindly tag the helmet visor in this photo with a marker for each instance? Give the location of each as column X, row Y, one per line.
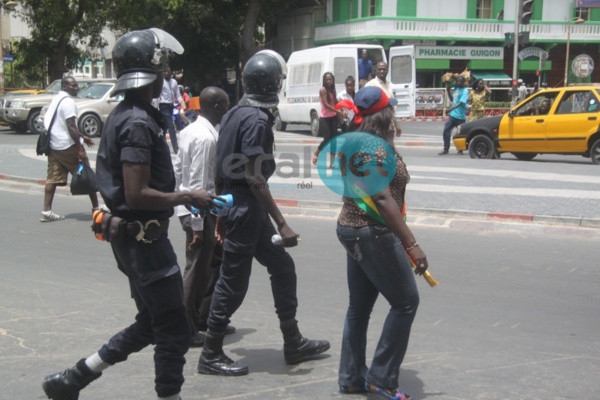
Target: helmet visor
column 167, row 41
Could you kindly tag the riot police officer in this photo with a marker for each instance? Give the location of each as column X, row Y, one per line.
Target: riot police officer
column 136, row 180
column 244, row 164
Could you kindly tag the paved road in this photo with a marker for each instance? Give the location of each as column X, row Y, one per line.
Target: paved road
column 515, row 315
column 549, row 190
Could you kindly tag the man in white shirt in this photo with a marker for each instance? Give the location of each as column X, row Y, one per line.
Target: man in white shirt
column 166, row 103
column 380, row 80
column 195, row 168
column 65, row 144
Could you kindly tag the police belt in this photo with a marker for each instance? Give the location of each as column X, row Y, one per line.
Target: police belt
column 148, row 231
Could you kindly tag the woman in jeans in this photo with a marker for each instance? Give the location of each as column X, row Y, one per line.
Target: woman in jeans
column 378, row 244
column 328, row 117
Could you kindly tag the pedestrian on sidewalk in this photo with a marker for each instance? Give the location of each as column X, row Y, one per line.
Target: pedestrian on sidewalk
column 328, row 116
column 195, row 169
column 479, row 94
column 347, row 94
column 66, row 146
column 380, row 80
column 457, row 113
column 378, row 243
column 244, row 164
column 135, row 177
column 169, row 95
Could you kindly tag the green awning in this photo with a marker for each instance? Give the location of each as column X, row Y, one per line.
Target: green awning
column 498, row 78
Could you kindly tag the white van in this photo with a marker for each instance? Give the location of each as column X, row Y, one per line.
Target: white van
column 299, row 97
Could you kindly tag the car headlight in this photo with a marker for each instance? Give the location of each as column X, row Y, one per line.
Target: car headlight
column 18, row 104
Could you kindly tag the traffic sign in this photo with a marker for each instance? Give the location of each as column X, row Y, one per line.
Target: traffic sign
column 8, row 58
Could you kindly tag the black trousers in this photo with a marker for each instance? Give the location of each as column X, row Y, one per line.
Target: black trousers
column 249, row 232
column 157, row 289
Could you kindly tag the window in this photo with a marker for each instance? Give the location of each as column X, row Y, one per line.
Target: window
column 401, row 69
column 578, row 102
column 371, row 10
column 484, row 9
column 583, row 13
column 343, row 67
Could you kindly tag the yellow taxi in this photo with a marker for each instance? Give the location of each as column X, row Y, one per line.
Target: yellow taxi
column 552, row 121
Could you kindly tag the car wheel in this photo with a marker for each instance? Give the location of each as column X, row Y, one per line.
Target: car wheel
column 18, row 127
column 90, row 125
column 279, row 125
column 314, row 124
column 35, row 123
column 525, row 156
column 481, row 146
column 595, row 152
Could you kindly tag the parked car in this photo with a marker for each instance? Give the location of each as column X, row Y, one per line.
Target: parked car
column 22, row 112
column 94, row 103
column 553, row 121
column 15, row 93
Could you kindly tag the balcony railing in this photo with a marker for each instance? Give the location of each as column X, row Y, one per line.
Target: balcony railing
column 427, row 29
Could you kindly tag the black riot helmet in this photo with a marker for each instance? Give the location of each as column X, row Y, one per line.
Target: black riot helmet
column 139, row 56
column 262, row 79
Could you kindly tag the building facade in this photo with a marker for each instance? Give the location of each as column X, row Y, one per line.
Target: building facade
column 451, row 36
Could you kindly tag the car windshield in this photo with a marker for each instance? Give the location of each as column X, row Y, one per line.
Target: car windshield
column 53, row 88
column 94, row 92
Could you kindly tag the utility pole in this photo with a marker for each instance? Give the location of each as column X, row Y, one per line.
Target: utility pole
column 518, row 8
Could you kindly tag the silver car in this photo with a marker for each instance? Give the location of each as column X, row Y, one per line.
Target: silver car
column 94, row 103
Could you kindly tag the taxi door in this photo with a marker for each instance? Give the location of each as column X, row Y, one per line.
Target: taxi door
column 524, row 131
column 576, row 117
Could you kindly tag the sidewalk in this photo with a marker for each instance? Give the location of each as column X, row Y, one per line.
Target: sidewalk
column 452, row 196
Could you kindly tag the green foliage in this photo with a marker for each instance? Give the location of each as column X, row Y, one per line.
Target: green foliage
column 216, row 34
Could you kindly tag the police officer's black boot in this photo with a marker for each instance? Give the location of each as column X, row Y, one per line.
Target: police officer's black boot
column 213, row 360
column 297, row 348
column 67, row 384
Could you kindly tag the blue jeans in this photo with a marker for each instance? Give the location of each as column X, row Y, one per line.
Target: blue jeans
column 166, row 110
column 450, row 124
column 376, row 263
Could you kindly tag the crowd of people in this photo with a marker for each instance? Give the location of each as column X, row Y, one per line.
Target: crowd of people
column 143, row 188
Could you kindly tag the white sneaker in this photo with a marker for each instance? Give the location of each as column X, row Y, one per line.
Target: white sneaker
column 49, row 216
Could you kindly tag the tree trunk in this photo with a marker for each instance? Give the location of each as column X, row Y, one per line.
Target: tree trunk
column 246, row 44
column 56, row 64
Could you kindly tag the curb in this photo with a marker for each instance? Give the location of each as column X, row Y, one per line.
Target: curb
column 460, row 219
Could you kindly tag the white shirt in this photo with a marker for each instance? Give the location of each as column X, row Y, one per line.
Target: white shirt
column 195, row 165
column 170, row 92
column 385, row 85
column 59, row 137
column 343, row 95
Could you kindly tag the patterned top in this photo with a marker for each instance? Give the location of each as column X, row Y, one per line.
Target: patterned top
column 478, row 100
column 353, row 215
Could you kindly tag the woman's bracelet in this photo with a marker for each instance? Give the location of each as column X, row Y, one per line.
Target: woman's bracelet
column 413, row 246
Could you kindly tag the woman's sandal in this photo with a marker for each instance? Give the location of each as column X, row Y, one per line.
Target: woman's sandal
column 377, row 392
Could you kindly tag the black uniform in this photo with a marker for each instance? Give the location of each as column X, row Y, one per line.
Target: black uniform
column 246, row 132
column 133, row 134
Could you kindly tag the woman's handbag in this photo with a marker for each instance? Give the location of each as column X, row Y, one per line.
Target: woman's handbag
column 83, row 181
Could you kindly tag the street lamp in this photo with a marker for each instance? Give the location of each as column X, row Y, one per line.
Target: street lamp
column 575, row 20
column 3, row 5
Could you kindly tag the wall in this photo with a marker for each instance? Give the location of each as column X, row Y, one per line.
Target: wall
column 443, row 9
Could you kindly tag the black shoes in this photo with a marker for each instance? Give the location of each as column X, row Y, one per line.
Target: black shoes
column 67, row 384
column 198, row 338
column 303, row 349
column 220, row 364
column 443, row 153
